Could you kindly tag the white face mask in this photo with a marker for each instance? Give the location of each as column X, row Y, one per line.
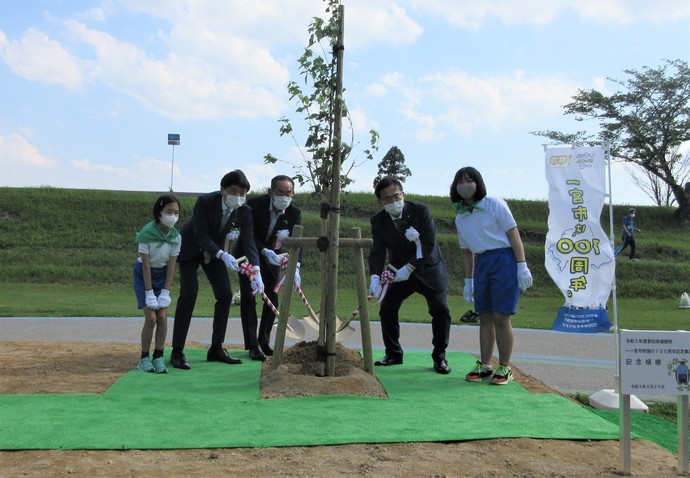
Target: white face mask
column 466, row 190
column 168, row 221
column 395, row 208
column 281, row 202
column 233, row 202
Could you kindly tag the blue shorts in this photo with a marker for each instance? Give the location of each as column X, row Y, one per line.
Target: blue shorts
column 158, row 275
column 495, row 282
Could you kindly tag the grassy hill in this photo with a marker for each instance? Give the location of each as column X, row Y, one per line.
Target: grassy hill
column 85, row 237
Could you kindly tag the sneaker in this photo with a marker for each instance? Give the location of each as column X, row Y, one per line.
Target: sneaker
column 634, row 259
column 145, row 365
column 502, row 375
column 479, row 372
column 159, row 366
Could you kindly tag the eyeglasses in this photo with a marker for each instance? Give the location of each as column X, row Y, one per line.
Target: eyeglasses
column 397, row 196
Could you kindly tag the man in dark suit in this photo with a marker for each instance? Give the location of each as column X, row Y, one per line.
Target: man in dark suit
column 274, row 217
column 420, row 268
column 215, row 215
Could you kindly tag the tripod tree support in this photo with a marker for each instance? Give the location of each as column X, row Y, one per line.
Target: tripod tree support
column 293, row 244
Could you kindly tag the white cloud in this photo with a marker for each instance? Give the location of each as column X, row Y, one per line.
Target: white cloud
column 37, row 57
column 16, row 153
column 472, row 15
column 22, row 164
column 182, row 87
column 381, row 22
column 87, row 166
column 376, row 89
column 464, row 103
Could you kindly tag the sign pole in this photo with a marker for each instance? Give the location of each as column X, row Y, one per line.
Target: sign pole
column 173, row 140
column 682, row 420
column 172, row 168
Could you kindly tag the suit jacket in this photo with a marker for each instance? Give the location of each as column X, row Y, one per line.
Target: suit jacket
column 261, row 219
column 203, row 234
column 430, row 269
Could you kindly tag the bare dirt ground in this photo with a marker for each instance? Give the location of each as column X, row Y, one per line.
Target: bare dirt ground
column 79, row 367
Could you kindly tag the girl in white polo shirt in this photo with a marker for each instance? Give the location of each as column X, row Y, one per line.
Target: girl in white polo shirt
column 159, row 245
column 495, row 270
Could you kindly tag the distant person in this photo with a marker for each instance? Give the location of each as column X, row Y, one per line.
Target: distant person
column 420, row 269
column 203, row 238
column 159, row 245
column 628, row 235
column 274, row 217
column 495, row 270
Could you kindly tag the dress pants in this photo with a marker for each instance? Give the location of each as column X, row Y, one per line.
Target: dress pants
column 437, row 303
column 252, row 339
column 217, row 275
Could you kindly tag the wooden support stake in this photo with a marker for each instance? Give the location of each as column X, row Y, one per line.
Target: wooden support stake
column 284, row 310
column 362, row 299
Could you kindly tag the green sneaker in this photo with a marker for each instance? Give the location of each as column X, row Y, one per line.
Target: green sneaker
column 479, row 372
column 502, row 375
column 145, row 365
column 159, row 366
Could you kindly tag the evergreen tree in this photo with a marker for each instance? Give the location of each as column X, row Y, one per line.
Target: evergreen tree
column 393, row 164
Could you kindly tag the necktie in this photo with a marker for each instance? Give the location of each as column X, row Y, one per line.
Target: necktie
column 272, row 224
column 226, row 216
column 398, row 224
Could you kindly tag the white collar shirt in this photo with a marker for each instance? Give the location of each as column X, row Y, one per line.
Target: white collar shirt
column 484, row 228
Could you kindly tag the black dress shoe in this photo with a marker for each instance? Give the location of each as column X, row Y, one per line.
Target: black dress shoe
column 389, row 360
column 266, row 349
column 442, row 367
column 179, row 361
column 221, row 355
column 256, row 354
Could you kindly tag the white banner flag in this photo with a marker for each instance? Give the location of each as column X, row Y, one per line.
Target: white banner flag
column 578, row 255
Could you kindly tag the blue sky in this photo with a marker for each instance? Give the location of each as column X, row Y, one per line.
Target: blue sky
column 90, row 89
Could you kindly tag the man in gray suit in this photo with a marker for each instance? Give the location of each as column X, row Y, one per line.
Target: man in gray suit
column 405, row 232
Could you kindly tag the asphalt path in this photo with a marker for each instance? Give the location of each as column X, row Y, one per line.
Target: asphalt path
column 567, row 362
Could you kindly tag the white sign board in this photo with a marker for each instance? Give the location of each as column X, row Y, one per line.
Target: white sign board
column 654, row 362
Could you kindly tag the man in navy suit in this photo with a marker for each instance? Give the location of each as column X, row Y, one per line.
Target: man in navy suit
column 274, row 217
column 405, row 231
column 203, row 237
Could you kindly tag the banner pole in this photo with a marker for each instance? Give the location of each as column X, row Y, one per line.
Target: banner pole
column 614, row 299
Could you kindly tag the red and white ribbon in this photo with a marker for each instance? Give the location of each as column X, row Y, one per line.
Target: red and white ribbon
column 386, row 280
column 283, row 265
column 280, row 236
column 312, row 314
column 413, row 236
column 355, row 312
column 247, row 269
column 230, row 238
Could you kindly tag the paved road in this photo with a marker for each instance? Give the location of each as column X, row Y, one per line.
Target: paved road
column 568, row 362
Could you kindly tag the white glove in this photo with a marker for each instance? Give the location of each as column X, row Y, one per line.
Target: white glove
column 271, row 257
column 164, row 299
column 524, row 276
column 257, row 282
column 375, row 286
column 151, row 300
column 468, row 292
column 298, row 279
column 230, row 262
column 403, row 273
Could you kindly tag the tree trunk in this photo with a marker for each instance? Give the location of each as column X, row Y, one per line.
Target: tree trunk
column 683, row 201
